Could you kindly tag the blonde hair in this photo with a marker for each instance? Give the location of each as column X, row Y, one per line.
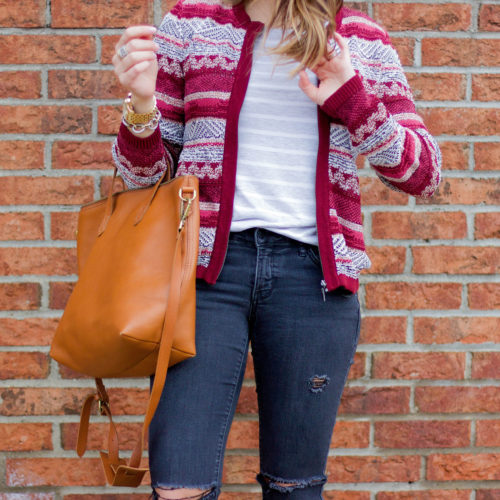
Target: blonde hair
column 311, row 23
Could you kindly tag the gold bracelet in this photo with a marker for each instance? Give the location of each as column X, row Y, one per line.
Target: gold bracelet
column 139, row 122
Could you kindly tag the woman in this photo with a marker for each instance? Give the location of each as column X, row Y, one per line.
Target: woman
column 281, row 243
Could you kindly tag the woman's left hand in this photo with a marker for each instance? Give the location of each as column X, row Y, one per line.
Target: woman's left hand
column 332, row 74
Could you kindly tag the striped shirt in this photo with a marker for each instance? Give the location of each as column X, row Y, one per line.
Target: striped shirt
column 277, row 150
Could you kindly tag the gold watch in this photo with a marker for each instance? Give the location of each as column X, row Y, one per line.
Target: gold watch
column 133, row 118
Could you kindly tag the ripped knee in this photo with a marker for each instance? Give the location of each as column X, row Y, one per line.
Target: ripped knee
column 282, row 485
column 183, row 494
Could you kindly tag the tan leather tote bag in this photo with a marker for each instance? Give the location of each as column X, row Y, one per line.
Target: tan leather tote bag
column 132, row 310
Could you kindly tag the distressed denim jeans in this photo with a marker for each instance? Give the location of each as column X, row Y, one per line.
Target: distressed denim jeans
column 302, row 341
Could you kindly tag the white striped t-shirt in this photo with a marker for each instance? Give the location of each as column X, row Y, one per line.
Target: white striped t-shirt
column 277, row 151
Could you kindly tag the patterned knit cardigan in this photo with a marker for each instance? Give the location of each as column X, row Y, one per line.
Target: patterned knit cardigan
column 205, row 59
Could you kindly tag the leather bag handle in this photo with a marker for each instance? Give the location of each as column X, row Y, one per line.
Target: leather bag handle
column 109, row 203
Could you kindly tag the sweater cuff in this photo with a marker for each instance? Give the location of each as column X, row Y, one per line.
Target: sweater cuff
column 132, row 141
column 339, row 97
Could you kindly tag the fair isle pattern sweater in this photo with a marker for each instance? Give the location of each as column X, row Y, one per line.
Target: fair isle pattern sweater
column 205, row 59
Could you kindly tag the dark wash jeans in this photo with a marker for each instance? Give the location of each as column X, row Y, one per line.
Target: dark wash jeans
column 303, row 343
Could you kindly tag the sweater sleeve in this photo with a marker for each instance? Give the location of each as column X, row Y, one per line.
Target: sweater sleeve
column 142, row 161
column 384, row 126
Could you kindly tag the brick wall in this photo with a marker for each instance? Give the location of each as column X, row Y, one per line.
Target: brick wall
column 420, row 418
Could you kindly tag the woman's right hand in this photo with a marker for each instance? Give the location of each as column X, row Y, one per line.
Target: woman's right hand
column 138, row 69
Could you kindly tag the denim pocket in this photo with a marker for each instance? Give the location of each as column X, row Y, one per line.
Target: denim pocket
column 313, row 254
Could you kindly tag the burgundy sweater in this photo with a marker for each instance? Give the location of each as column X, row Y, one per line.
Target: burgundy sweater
column 205, row 59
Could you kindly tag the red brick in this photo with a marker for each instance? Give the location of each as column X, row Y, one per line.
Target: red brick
column 456, row 260
column 461, row 52
column 418, row 365
column 457, row 399
column 373, row 192
column 249, row 368
column 19, row 296
column 47, row 49
column 378, row 401
column 485, row 87
column 413, row 295
column 106, row 184
column 22, row 13
column 25, row 437
column 490, row 494
column 455, row 155
column 240, row 469
column 485, row 365
column 405, row 48
column 484, row 296
column 465, row 192
column 419, row 225
column 467, row 330
column 351, row 435
column 27, row 331
column 382, row 330
column 485, row 156
column 21, row 226
column 68, row 373
column 67, row 401
column 346, row 495
column 463, row 467
column 487, row 225
column 84, row 84
column 462, row 121
column 19, row 155
column 18, row 261
column 63, row 225
column 386, row 260
column 54, row 472
column 247, row 402
column 489, row 20
column 25, row 365
column 108, row 47
column 373, row 469
column 423, row 17
column 488, row 432
column 128, row 433
column 98, row 14
column 358, row 367
column 82, row 155
column 422, row 434
column 20, row 84
column 59, row 293
column 436, row 86
column 243, row 434
column 109, row 119
column 71, row 190
column 424, row 495
column 45, row 120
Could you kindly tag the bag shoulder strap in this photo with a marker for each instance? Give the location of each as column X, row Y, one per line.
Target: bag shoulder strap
column 118, row 471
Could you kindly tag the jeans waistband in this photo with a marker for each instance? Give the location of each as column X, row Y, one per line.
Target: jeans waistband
column 258, row 237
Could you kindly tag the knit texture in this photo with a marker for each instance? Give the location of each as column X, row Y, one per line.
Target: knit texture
column 204, row 65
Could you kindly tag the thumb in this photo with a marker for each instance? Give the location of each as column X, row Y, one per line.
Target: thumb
column 307, row 86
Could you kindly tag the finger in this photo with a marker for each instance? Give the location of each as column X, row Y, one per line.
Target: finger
column 307, row 86
column 139, row 44
column 135, row 32
column 123, row 65
column 133, row 72
column 341, row 42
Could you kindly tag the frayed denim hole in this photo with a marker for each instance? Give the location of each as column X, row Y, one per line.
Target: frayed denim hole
column 209, row 494
column 287, row 486
column 317, row 383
